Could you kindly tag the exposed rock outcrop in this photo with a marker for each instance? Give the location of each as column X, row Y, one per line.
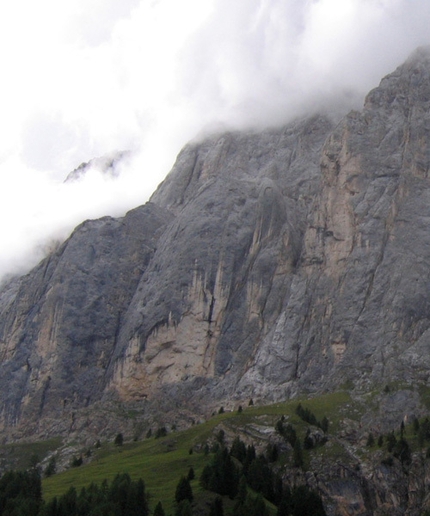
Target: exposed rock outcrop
column 267, row 264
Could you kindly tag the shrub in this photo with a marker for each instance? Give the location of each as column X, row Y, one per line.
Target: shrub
column 119, row 440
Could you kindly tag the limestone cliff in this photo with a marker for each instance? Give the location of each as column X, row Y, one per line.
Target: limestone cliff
column 267, row 264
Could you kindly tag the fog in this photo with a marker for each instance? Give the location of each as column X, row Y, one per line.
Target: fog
column 89, row 78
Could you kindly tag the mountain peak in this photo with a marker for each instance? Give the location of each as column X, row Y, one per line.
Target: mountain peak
column 268, row 264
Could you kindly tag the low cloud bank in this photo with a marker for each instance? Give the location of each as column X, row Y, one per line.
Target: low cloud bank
column 83, row 80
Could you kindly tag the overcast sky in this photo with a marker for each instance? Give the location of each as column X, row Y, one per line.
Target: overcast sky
column 83, row 78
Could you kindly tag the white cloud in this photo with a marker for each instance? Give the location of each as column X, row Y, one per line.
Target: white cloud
column 84, row 78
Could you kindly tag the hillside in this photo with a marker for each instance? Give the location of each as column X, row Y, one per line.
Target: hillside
column 355, row 471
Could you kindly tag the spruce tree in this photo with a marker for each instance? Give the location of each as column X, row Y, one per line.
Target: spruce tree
column 216, row 507
column 159, row 511
column 183, row 490
column 119, row 439
column 184, row 509
column 297, row 454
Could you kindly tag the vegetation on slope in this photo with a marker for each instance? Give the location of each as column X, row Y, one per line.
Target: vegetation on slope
column 235, row 461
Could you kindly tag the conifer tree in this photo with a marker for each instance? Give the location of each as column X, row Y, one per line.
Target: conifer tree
column 184, row 509
column 183, row 490
column 297, row 454
column 216, row 507
column 159, row 511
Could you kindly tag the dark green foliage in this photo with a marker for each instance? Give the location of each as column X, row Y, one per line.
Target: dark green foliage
column 287, row 431
column 309, row 417
column 272, row 452
column 402, row 451
column 216, row 507
column 161, row 432
column 297, row 455
column 184, row 509
column 34, row 461
column 380, row 440
column 306, row 415
column 251, row 402
column 305, row 502
column 220, row 436
column 261, row 478
column 221, row 475
column 239, row 410
column 424, row 432
column 122, row 498
column 183, row 490
column 51, row 468
column 159, row 511
column 250, row 456
column 388, row 461
column 191, row 475
column 67, row 504
column 415, row 425
column 149, row 433
column 250, row 506
column 20, row 493
column 242, row 491
column 76, row 462
column 221, row 410
column 308, row 443
column 238, row 449
column 258, row 507
column 324, row 424
column 119, row 440
column 391, row 441
column 370, row 440
column 285, row 506
column 278, row 489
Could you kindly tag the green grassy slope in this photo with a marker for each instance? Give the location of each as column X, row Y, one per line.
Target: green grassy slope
column 161, row 462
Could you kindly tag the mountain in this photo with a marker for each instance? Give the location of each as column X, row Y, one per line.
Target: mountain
column 269, row 264
column 107, row 165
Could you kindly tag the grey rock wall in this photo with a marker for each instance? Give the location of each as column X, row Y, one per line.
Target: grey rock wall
column 267, row 264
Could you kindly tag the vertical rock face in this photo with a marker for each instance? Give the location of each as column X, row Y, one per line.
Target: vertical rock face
column 222, row 269
column 60, row 323
column 358, row 306
column 266, row 264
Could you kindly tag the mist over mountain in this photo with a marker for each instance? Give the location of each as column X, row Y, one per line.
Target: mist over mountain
column 91, row 78
column 267, row 264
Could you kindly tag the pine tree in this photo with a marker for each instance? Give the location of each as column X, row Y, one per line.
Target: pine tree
column 183, row 490
column 159, row 511
column 238, row 449
column 324, row 424
column 216, row 507
column 285, row 507
column 305, row 502
column 184, row 509
column 51, row 468
column 297, row 454
column 119, row 440
column 191, row 475
column 415, row 425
